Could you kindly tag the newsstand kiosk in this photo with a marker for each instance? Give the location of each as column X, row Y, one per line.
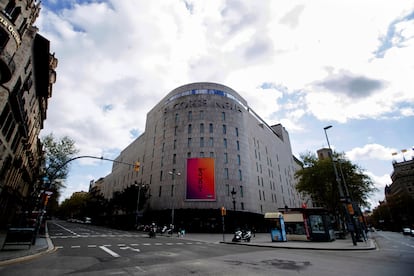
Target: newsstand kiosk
column 277, row 226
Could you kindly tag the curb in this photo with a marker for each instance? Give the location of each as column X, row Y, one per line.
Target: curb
column 371, row 247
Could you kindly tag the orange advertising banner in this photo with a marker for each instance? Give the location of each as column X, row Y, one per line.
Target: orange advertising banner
column 200, row 179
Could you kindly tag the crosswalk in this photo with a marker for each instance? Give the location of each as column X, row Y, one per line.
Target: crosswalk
column 88, row 235
column 120, row 245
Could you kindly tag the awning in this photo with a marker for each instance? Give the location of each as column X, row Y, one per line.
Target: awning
column 273, row 215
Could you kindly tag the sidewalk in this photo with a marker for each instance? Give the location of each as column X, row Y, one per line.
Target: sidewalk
column 264, row 240
column 16, row 253
column 44, row 245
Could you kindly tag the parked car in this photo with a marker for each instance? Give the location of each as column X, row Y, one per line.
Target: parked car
column 406, row 231
column 412, row 232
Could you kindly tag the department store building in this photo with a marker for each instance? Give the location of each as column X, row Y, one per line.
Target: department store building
column 204, row 148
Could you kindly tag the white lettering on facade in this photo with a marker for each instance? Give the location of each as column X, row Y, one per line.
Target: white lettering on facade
column 11, row 30
column 204, row 103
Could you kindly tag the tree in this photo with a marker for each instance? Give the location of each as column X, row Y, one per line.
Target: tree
column 57, row 153
column 317, row 178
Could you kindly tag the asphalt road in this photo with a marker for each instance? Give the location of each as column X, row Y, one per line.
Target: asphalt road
column 91, row 250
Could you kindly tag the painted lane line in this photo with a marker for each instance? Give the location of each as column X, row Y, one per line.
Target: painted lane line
column 92, row 245
column 134, row 244
column 75, row 246
column 121, row 244
column 133, row 249
column 66, row 229
column 109, row 251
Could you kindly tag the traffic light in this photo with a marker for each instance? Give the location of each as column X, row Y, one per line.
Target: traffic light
column 136, row 166
column 223, row 211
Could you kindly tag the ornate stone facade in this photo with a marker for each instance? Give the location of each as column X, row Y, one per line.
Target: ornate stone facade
column 27, row 73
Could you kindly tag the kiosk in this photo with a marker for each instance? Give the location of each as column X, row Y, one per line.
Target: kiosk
column 277, row 226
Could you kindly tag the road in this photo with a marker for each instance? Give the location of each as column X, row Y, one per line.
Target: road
column 90, row 250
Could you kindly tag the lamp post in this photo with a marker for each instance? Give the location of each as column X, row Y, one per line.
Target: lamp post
column 173, row 174
column 343, row 199
column 233, row 196
column 138, row 196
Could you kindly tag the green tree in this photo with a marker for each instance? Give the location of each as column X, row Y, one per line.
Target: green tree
column 75, row 206
column 317, row 178
column 57, row 153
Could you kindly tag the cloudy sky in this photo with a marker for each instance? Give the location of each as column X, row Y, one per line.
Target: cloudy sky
column 305, row 64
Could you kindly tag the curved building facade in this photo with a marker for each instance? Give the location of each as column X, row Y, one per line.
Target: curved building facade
column 203, row 148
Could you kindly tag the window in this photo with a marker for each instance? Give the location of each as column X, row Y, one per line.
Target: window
column 211, row 128
column 175, row 130
column 225, row 142
column 242, row 205
column 188, row 154
column 190, row 128
column 174, row 158
column 241, row 191
column 240, row 175
column 175, row 144
column 159, row 191
column 201, row 142
column 176, row 118
column 211, row 142
column 226, row 173
column 211, row 154
column 163, row 146
column 223, row 116
column 190, row 115
column 201, row 115
column 238, row 159
column 237, row 132
column 201, row 128
column 226, row 159
column 189, row 142
column 4, row 38
column 160, row 176
column 172, row 190
column 238, row 145
column 202, row 154
column 224, row 129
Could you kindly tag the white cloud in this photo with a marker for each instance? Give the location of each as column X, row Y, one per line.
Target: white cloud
column 371, row 151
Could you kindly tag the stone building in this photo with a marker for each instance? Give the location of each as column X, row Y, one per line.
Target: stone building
column 402, row 179
column 204, row 148
column 27, row 73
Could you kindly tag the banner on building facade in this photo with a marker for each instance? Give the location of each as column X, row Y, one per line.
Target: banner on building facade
column 200, row 179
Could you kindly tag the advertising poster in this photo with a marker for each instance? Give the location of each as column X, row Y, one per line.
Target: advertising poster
column 200, row 179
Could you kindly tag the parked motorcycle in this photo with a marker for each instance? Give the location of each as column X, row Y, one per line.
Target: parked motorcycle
column 242, row 235
column 153, row 230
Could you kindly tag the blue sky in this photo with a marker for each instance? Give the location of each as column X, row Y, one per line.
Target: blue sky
column 305, row 64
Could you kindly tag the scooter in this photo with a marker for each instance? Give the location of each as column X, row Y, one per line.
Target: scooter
column 242, row 235
column 152, row 231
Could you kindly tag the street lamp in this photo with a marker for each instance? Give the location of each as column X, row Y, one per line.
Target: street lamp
column 340, row 190
column 138, row 196
column 173, row 174
column 233, row 196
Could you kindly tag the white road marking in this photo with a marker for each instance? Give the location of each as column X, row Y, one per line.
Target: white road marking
column 133, row 249
column 66, row 229
column 110, row 252
column 75, row 246
column 92, row 245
